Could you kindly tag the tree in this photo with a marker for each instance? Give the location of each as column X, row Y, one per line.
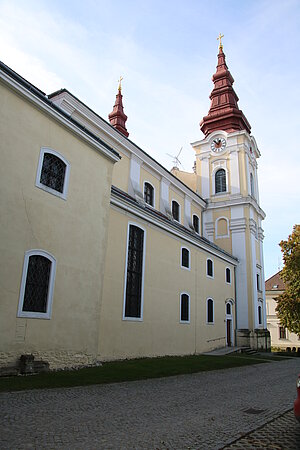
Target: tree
column 288, row 304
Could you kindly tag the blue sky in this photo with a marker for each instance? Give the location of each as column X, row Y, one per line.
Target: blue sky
column 167, row 52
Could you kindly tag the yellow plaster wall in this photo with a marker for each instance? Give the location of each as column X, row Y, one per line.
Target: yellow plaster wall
column 70, row 230
column 224, row 242
column 121, row 173
column 160, row 332
column 186, row 177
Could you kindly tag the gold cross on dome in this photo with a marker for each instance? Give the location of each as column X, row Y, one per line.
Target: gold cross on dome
column 120, row 80
column 220, row 39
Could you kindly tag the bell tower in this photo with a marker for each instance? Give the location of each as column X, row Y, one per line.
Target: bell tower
column 226, row 177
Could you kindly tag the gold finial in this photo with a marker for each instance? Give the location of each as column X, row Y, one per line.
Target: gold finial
column 220, row 39
column 120, row 80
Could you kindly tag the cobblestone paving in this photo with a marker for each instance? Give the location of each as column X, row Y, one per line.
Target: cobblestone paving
column 202, row 411
column 282, row 433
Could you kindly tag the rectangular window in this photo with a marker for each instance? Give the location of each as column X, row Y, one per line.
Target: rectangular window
column 134, row 276
column 282, row 333
column 184, row 308
column 196, row 223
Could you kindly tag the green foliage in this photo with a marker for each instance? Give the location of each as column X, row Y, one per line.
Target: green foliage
column 288, row 304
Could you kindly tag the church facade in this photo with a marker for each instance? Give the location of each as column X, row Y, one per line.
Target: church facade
column 108, row 255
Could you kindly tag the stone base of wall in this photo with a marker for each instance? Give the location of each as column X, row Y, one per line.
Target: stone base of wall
column 257, row 339
column 56, row 359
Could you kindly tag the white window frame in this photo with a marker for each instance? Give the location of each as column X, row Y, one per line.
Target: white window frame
column 213, row 309
column 213, row 269
column 189, row 303
column 146, row 181
column 196, row 215
column 220, row 164
column 40, row 185
column 260, row 305
column 32, row 314
column 189, row 252
column 134, row 319
column 179, row 210
column 226, row 275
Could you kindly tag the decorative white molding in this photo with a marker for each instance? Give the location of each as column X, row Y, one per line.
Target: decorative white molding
column 218, row 236
column 46, row 188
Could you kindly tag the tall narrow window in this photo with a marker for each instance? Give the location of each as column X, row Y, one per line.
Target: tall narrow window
column 282, row 333
column 258, row 281
column 185, row 258
column 209, row 268
column 184, row 308
column 134, row 277
column 220, row 180
column 149, row 194
column 228, row 275
column 196, row 223
column 37, row 285
column 210, row 311
column 53, row 173
column 176, row 210
column 259, row 315
column 251, row 184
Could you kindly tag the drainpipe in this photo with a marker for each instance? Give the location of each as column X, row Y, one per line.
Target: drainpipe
column 235, row 331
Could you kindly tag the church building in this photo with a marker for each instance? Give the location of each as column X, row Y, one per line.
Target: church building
column 105, row 254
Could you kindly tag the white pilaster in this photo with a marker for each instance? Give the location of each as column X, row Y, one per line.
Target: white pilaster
column 208, row 225
column 234, row 173
column 164, row 196
column 205, row 177
column 248, row 175
column 253, row 231
column 187, row 211
column 260, row 238
column 134, row 187
column 238, row 233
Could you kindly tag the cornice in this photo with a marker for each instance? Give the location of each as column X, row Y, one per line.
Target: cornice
column 153, row 217
column 245, row 201
column 56, row 115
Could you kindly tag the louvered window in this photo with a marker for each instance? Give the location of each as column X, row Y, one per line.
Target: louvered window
column 220, row 179
column 134, row 277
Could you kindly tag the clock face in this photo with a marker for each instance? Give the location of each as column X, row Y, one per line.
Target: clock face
column 218, row 144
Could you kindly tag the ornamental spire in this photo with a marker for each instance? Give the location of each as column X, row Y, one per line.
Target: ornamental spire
column 117, row 117
column 224, row 113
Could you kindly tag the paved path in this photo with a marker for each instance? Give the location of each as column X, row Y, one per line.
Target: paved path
column 201, row 411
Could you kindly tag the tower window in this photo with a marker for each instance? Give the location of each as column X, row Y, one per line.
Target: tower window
column 196, row 223
column 184, row 308
column 134, row 277
column 220, row 181
column 251, row 185
column 176, row 210
column 210, row 311
column 149, row 194
column 209, row 268
column 185, row 258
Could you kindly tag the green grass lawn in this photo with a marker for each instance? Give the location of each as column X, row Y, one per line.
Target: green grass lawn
column 129, row 370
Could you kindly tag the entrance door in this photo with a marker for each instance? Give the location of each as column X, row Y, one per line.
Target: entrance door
column 228, row 332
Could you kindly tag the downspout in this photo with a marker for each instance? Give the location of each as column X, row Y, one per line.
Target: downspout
column 235, row 330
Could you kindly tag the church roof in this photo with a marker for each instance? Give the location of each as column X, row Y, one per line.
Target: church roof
column 224, row 113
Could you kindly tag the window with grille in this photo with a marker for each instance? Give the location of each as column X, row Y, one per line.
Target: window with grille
column 37, row 285
column 149, row 194
column 228, row 275
column 53, row 173
column 220, row 181
column 210, row 311
column 196, row 223
column 176, row 210
column 185, row 258
column 209, row 268
column 134, row 277
column 184, row 308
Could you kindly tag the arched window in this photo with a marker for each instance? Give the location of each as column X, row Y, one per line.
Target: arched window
column 209, row 268
column 196, row 223
column 53, row 173
column 220, row 181
column 228, row 309
column 37, row 285
column 149, row 194
column 134, row 273
column 176, row 210
column 210, row 311
column 185, row 258
column 228, row 275
column 184, row 308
